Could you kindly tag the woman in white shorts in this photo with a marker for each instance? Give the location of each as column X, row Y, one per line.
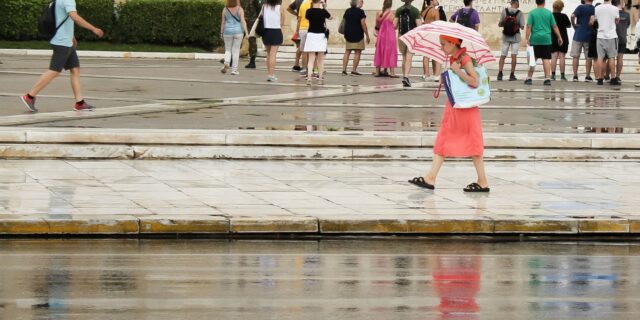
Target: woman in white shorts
column 316, row 42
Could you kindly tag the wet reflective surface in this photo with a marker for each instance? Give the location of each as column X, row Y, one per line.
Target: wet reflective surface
column 328, row 279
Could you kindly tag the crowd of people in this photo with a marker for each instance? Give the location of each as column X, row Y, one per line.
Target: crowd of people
column 600, row 36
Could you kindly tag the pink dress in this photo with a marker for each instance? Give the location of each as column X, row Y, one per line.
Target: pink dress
column 460, row 133
column 386, row 55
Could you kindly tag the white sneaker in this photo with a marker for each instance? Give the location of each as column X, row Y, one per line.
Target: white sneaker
column 272, row 79
column 303, row 71
column 424, row 78
column 235, row 73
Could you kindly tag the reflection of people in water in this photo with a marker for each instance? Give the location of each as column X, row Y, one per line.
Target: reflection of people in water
column 457, row 282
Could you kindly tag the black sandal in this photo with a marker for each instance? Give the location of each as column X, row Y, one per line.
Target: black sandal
column 419, row 181
column 475, row 187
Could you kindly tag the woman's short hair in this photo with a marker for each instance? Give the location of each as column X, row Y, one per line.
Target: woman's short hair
column 558, row 5
column 354, row 3
column 232, row 3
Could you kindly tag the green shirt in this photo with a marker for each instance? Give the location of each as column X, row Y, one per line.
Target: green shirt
column 414, row 14
column 541, row 21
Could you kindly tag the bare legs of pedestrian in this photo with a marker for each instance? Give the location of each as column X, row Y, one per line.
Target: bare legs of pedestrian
column 554, row 62
column 438, row 160
column 356, row 61
column 298, row 56
column 546, row 65
column 425, row 67
column 576, row 64
column 406, row 64
column 345, row 61
column 271, row 62
column 619, row 65
column 317, row 59
column 75, row 84
column 43, row 82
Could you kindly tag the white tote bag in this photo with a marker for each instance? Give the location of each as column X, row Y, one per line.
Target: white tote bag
column 531, row 56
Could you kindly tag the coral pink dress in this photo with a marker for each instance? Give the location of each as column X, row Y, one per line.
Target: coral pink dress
column 386, row 55
column 460, row 133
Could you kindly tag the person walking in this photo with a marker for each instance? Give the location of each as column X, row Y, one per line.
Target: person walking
column 511, row 22
column 316, row 42
column 302, row 28
column 407, row 18
column 355, row 34
column 294, row 9
column 273, row 17
column 621, row 31
column 232, row 29
column 607, row 42
column 460, row 133
column 386, row 54
column 582, row 38
column 467, row 16
column 637, row 32
column 431, row 12
column 558, row 52
column 538, row 34
column 64, row 56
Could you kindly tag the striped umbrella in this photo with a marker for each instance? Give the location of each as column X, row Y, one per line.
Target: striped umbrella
column 425, row 40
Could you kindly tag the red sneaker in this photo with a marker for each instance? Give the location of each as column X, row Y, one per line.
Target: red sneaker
column 83, row 106
column 30, row 103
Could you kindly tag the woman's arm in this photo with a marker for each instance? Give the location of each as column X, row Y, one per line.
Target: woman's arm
column 281, row 17
column 469, row 75
column 243, row 22
column 363, row 22
column 222, row 23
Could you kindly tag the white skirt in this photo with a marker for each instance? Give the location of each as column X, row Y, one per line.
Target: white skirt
column 315, row 42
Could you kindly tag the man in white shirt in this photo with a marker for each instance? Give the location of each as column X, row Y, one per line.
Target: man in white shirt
column 608, row 17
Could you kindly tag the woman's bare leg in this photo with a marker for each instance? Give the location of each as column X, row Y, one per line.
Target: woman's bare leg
column 436, row 164
column 478, row 162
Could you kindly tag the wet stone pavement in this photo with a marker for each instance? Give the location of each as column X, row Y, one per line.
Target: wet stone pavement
column 317, row 280
column 210, row 100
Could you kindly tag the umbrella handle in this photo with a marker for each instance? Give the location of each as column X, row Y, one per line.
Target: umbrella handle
column 436, row 94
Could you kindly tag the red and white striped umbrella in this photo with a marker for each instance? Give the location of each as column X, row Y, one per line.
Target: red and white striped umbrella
column 425, row 40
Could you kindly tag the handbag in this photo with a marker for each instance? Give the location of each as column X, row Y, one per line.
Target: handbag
column 244, row 47
column 341, row 27
column 461, row 95
column 531, row 56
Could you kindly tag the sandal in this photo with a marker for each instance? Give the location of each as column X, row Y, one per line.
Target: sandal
column 355, row 73
column 419, row 181
column 475, row 187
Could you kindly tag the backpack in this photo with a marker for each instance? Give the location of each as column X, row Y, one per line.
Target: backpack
column 443, row 16
column 47, row 21
column 510, row 25
column 405, row 23
column 464, row 18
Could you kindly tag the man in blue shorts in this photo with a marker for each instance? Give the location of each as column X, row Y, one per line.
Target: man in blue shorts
column 64, row 55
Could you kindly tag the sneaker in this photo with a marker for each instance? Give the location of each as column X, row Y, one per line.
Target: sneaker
column 563, row 78
column 424, row 78
column 575, row 79
column 344, row 72
column 600, row 82
column 499, row 77
column 356, row 73
column 588, row 79
column 309, row 82
column 235, row 73
column 547, row 82
column 224, row 68
column 315, row 75
column 296, row 68
column 512, row 77
column 637, row 84
column 607, row 78
column 83, row 106
column 615, row 82
column 29, row 103
column 303, row 71
column 553, row 77
column 272, row 79
column 528, row 82
column 405, row 82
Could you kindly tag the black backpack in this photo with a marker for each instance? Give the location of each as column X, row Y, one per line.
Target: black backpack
column 405, row 23
column 510, row 25
column 47, row 21
column 464, row 18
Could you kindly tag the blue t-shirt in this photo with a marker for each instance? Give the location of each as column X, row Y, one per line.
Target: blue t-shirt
column 583, row 31
column 64, row 36
column 231, row 25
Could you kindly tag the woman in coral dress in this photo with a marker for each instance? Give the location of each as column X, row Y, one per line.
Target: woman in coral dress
column 460, row 133
column 386, row 55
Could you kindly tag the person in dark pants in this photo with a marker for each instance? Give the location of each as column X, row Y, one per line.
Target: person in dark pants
column 251, row 12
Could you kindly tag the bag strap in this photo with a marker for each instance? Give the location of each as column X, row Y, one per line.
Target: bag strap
column 233, row 15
